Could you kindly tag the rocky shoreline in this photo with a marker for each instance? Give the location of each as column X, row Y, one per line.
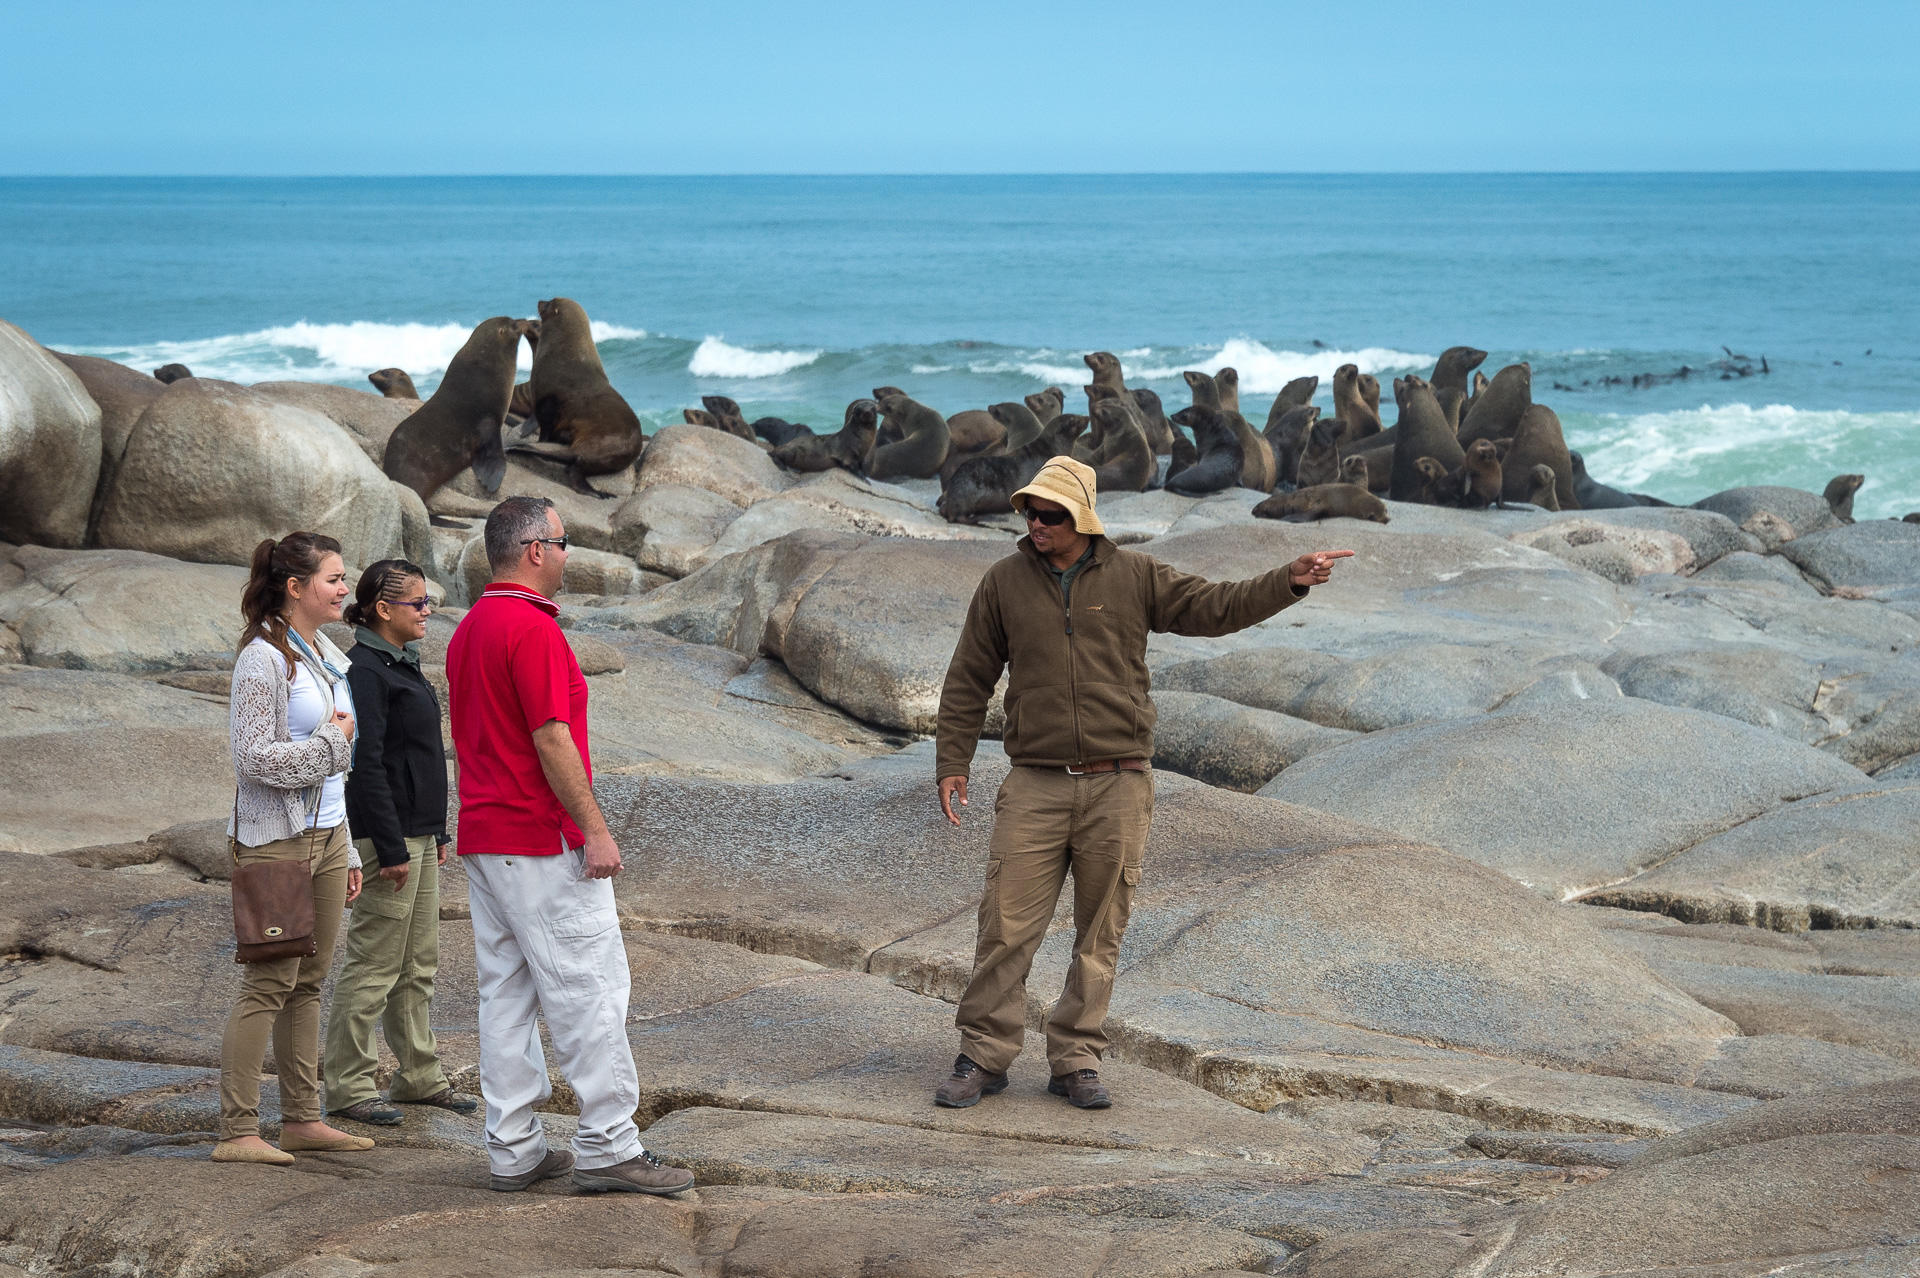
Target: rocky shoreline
column 1540, row 897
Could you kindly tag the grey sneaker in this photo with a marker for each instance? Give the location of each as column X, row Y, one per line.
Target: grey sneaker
column 641, row 1174
column 558, row 1162
column 373, row 1111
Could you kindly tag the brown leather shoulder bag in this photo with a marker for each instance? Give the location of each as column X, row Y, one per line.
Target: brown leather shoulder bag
column 272, row 906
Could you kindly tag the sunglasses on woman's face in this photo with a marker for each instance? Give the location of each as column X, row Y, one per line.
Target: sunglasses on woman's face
column 1051, row 518
column 421, row 604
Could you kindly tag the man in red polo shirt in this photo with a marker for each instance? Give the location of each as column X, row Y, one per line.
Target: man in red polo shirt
column 540, row 863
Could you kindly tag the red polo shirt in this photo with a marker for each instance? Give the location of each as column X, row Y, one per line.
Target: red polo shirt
column 510, row 670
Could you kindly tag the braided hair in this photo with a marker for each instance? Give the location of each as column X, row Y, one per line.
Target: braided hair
column 380, row 583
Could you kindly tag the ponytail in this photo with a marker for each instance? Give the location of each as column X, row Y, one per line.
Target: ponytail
column 263, row 604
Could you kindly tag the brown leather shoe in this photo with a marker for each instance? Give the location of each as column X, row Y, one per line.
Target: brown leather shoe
column 558, row 1162
column 641, row 1174
column 968, row 1084
column 1082, row 1088
column 447, row 1098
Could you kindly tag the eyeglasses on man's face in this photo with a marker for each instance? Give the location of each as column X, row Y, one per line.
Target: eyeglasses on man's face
column 560, row 542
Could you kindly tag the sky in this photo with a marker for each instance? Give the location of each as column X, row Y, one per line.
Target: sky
column 740, row 86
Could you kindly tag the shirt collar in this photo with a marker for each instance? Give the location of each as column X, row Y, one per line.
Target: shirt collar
column 512, row 590
column 410, row 654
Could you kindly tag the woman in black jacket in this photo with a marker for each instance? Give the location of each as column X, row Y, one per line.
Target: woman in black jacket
column 397, row 808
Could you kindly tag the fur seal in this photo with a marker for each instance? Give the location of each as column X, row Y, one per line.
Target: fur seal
column 1153, row 419
column 847, row 448
column 1351, row 407
column 1452, row 402
column 975, row 430
column 1379, row 460
column 1287, row 436
column 1911, row 517
column 1370, row 392
column 778, row 430
column 1297, row 393
column 460, row 425
column 1320, row 455
column 391, row 382
column 1839, row 495
column 1047, row 404
column 1353, row 470
column 1128, row 464
column 1431, row 477
column 1421, row 432
column 1476, row 482
column 727, row 413
column 171, row 373
column 1106, row 371
column 1021, row 425
column 1182, row 452
column 1323, row 501
column 575, row 407
column 1594, row 495
column 985, row 485
column 923, row 444
column 701, row 417
column 1538, row 440
column 1543, row 487
column 1218, row 455
column 1455, row 365
column 1496, row 411
column 1227, row 382
column 1256, row 468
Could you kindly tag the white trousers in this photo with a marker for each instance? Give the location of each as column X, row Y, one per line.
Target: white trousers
column 546, row 941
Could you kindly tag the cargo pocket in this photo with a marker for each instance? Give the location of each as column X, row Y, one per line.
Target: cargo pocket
column 378, row 898
column 1130, row 875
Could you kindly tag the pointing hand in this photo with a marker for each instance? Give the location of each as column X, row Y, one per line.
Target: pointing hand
column 1316, row 568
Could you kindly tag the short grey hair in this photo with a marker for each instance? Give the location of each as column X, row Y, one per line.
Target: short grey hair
column 513, row 521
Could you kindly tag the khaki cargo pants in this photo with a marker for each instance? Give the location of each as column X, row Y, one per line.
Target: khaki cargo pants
column 1046, row 822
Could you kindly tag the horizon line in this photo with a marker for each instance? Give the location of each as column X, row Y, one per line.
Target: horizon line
column 973, row 173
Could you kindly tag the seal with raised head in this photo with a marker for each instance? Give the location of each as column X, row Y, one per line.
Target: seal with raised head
column 1107, row 372
column 1297, row 393
column 727, row 412
column 1153, row 418
column 1320, row 454
column 1047, row 404
column 1227, row 381
column 393, row 383
column 1543, row 487
column 985, row 485
column 1127, row 464
column 1455, row 365
column 923, row 443
column 1351, row 407
column 847, row 448
column 1839, row 494
column 1323, row 501
column 1496, row 412
column 1018, row 421
column 1421, row 432
column 1379, row 463
column 1431, row 477
column 574, row 404
column 1538, row 441
column 1219, row 459
column 1287, row 436
column 1257, row 470
column 171, row 373
column 460, row 425
column 1476, row 482
column 1452, row 402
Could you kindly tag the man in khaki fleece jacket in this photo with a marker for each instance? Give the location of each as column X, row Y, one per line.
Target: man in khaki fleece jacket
column 1067, row 616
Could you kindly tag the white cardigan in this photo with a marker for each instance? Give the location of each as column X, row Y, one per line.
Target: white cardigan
column 277, row 777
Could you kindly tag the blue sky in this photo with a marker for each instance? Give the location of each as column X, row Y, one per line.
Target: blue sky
column 733, row 86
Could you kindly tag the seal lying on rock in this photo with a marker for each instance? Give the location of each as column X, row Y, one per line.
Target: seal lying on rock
column 923, row 438
column 984, row 486
column 727, row 412
column 1325, row 501
column 778, row 430
column 1594, row 495
column 847, row 448
column 1219, row 455
column 171, row 373
column 1839, row 495
column 575, row 406
column 393, row 383
column 460, row 426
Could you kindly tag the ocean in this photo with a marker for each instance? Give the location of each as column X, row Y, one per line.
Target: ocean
column 795, row 295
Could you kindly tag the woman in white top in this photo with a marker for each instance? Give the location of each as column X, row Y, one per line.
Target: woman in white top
column 292, row 726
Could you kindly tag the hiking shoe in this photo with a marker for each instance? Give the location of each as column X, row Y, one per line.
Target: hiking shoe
column 1082, row 1088
column 373, row 1111
column 447, row 1098
column 641, row 1174
column 558, row 1162
column 968, row 1084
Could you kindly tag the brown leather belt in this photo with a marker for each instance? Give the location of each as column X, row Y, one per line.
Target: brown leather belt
column 1107, row 765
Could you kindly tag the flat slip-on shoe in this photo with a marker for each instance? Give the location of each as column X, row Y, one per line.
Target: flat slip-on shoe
column 338, row 1145
column 230, row 1151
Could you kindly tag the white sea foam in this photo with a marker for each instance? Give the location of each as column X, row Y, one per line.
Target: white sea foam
column 715, row 358
column 1688, row 454
column 325, row 352
column 1263, row 370
column 928, row 370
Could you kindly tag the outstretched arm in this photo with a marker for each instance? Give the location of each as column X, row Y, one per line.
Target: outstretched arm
column 1190, row 605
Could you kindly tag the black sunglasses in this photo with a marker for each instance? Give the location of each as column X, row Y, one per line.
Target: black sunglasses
column 1051, row 518
column 551, row 541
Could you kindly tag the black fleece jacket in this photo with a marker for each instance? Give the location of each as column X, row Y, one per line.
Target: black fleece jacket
column 398, row 787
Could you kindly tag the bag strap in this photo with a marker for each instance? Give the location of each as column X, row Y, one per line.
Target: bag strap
column 233, row 840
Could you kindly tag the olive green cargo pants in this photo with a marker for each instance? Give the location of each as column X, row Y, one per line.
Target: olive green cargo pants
column 1046, row 822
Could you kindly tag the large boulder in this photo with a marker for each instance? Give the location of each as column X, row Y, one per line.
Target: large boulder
column 1230, row 745
column 50, row 445
column 1863, row 560
column 213, row 468
column 1620, row 554
column 1842, row 860
column 1773, row 513
column 369, row 419
column 668, row 527
column 123, row 394
column 834, row 500
column 1568, row 798
column 701, row 457
column 123, row 610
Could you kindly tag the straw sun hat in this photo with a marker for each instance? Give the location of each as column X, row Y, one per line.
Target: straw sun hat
column 1071, row 484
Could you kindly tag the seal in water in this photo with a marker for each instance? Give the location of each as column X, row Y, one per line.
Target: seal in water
column 460, row 425
column 923, row 438
column 1219, row 455
column 582, row 419
column 847, row 448
column 393, row 383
